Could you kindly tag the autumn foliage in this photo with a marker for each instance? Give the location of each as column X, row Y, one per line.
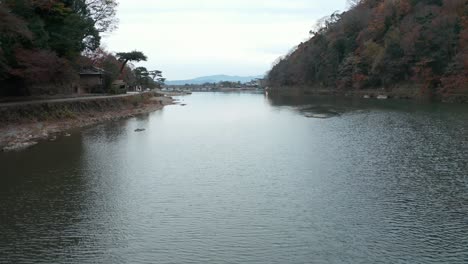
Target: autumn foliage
column 42, row 41
column 382, row 44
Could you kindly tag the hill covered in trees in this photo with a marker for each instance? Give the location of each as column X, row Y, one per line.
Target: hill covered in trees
column 383, row 44
column 41, row 41
column 45, row 44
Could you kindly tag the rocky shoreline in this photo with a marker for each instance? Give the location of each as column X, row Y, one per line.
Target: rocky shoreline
column 403, row 92
column 26, row 131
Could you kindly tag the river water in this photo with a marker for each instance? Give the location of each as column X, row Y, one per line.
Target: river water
column 246, row 178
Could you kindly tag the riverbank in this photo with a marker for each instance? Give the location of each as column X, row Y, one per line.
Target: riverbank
column 27, row 123
column 402, row 92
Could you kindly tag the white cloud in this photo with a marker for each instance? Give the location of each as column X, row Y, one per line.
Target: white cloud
column 187, row 39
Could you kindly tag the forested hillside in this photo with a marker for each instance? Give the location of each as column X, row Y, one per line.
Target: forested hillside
column 384, row 44
column 41, row 41
column 45, row 44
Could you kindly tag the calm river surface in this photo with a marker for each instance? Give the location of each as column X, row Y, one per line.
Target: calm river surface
column 243, row 178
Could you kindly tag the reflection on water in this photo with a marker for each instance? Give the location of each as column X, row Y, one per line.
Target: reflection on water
column 244, row 178
column 337, row 105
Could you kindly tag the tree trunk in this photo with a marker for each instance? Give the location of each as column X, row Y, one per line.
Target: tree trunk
column 121, row 69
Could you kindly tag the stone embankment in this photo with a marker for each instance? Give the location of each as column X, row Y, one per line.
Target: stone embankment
column 24, row 124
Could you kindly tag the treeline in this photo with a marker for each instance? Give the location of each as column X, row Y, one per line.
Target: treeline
column 44, row 44
column 118, row 66
column 221, row 84
column 384, row 44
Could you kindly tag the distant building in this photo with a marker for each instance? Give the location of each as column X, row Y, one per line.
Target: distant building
column 257, row 83
column 261, row 82
column 91, row 80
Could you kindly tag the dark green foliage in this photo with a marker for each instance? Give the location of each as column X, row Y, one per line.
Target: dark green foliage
column 125, row 57
column 131, row 56
column 148, row 79
column 55, row 32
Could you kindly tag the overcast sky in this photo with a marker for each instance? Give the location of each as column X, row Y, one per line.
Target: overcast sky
column 192, row 38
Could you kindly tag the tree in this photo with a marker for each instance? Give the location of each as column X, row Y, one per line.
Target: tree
column 142, row 75
column 383, row 43
column 111, row 66
column 353, row 3
column 12, row 30
column 125, row 57
column 62, row 26
column 11, row 25
column 150, row 79
column 155, row 74
column 102, row 12
column 43, row 72
column 161, row 81
column 38, row 35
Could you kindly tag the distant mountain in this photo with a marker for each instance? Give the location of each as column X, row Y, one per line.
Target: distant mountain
column 214, row 79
